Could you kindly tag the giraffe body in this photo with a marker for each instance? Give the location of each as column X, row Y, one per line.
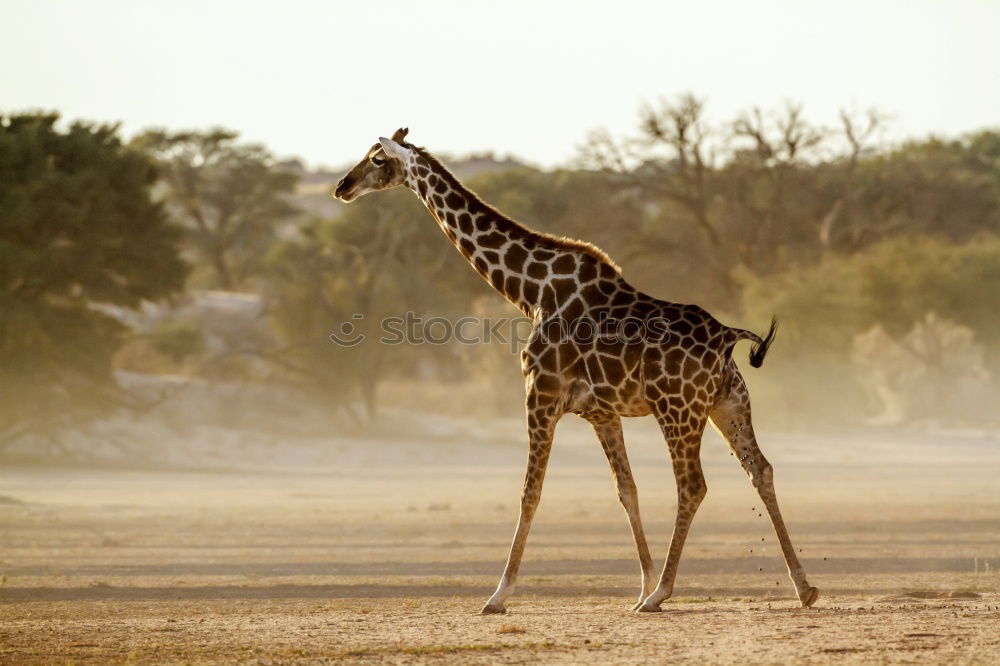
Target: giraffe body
column 598, row 348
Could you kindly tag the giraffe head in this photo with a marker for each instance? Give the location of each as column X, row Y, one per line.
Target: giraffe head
column 381, row 168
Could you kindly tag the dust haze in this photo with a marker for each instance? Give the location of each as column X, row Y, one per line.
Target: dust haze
column 210, row 452
column 213, row 543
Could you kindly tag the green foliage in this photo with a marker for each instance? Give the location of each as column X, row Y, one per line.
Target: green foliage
column 177, row 341
column 764, row 214
column 768, row 193
column 310, row 291
column 230, row 196
column 382, row 257
column 894, row 283
column 946, row 188
column 744, row 223
column 78, row 229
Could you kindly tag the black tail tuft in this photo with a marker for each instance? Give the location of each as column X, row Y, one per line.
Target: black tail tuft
column 759, row 351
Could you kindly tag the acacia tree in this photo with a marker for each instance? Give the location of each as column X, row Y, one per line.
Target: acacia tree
column 840, row 223
column 946, row 188
column 78, row 230
column 230, row 196
column 317, row 284
column 749, row 193
column 382, row 257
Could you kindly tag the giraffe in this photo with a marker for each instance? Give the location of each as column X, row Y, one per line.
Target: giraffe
column 678, row 368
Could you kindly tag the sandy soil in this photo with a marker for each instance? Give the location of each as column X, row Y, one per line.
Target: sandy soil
column 388, row 557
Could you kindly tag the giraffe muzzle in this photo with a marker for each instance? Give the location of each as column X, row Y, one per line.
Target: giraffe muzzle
column 343, row 191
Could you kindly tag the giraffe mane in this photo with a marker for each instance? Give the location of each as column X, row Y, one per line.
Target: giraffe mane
column 544, row 239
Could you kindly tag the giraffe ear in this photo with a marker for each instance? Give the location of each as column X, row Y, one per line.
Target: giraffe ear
column 393, row 149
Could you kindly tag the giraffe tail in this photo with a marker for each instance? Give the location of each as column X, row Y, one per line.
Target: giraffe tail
column 760, row 345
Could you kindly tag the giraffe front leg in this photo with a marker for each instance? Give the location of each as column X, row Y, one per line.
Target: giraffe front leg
column 609, row 432
column 541, row 422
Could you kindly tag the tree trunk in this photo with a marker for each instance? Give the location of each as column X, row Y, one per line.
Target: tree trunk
column 222, row 272
column 369, row 396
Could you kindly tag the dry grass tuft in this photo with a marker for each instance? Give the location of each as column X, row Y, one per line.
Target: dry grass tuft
column 511, row 629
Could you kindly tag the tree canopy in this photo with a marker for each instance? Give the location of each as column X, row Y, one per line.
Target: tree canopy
column 79, row 232
column 853, row 243
column 230, row 197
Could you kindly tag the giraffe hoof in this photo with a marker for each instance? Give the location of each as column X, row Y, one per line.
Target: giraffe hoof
column 637, row 605
column 808, row 597
column 493, row 609
column 647, row 607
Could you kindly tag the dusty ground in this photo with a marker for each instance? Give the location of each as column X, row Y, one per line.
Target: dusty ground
column 385, row 554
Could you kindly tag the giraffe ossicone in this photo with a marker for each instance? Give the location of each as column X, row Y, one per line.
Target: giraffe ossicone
column 680, row 371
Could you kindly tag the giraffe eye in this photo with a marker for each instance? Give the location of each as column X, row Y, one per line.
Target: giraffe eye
column 379, row 161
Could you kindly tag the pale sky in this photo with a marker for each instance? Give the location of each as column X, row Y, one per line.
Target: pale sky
column 323, row 79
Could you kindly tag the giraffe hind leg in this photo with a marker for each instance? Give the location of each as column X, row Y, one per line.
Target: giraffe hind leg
column 731, row 417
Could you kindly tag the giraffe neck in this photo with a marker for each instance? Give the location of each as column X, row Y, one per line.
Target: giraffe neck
column 530, row 269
